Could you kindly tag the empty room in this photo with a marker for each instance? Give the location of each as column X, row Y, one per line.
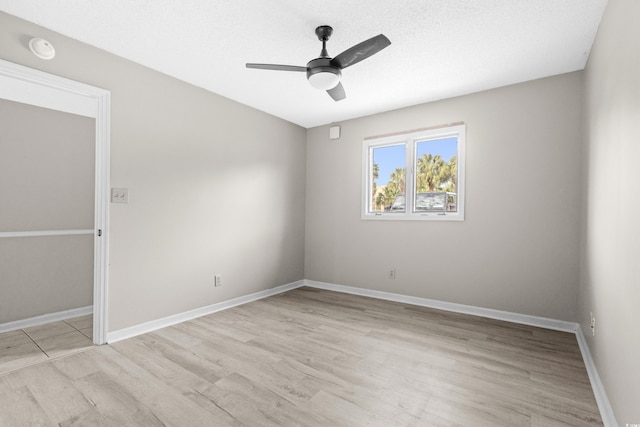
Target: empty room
column 296, row 213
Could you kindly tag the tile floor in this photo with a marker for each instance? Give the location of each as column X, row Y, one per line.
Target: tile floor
column 28, row 346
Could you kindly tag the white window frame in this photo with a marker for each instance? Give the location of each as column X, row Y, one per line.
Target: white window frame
column 410, row 141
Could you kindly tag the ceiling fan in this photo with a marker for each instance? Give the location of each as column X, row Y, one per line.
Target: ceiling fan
column 324, row 72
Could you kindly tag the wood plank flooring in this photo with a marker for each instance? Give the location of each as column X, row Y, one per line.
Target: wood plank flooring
column 30, row 346
column 310, row 357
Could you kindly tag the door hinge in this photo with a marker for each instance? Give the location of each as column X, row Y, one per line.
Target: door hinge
column 99, row 232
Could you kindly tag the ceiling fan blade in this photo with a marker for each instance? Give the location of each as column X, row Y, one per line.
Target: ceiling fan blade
column 277, row 67
column 337, row 93
column 361, row 51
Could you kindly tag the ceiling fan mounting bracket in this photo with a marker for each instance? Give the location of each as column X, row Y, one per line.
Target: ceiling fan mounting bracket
column 324, row 32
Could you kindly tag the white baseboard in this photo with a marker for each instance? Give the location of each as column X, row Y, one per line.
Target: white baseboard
column 153, row 325
column 45, row 318
column 524, row 319
column 606, row 411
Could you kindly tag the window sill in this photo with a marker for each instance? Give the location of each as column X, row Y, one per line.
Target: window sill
column 413, row 217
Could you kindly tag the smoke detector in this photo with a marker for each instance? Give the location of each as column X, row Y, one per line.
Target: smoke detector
column 41, row 48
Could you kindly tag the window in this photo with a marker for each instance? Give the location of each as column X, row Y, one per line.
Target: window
column 415, row 176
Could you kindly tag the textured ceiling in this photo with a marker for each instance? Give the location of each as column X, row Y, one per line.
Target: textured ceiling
column 439, row 48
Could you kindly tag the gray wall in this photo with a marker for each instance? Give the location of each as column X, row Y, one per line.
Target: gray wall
column 47, row 169
column 610, row 267
column 517, row 249
column 41, row 275
column 215, row 187
column 46, row 183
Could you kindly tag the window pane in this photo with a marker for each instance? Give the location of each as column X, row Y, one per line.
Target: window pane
column 387, row 178
column 436, row 175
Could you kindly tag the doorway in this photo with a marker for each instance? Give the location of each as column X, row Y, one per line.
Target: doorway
column 30, row 87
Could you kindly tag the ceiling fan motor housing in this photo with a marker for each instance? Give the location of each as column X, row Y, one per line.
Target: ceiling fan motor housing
column 322, row 74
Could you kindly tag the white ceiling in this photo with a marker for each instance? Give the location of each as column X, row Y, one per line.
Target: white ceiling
column 439, row 48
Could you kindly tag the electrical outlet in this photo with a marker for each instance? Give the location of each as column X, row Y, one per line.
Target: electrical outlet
column 217, row 280
column 593, row 325
column 392, row 273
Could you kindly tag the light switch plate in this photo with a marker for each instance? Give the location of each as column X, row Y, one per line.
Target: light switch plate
column 119, row 195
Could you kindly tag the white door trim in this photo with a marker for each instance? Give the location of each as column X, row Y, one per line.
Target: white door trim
column 29, row 86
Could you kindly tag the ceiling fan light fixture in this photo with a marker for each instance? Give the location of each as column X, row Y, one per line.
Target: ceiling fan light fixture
column 322, row 74
column 324, row 80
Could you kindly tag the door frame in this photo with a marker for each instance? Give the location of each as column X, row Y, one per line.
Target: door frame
column 29, row 86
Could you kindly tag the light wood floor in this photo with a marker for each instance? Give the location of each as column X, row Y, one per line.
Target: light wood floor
column 29, row 346
column 317, row 358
